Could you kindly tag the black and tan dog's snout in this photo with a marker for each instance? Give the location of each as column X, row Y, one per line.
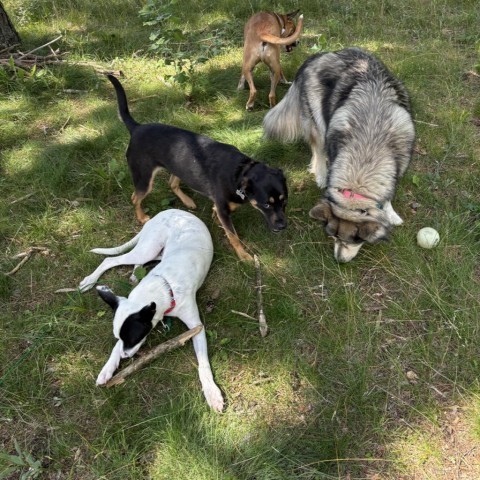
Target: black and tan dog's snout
column 276, row 221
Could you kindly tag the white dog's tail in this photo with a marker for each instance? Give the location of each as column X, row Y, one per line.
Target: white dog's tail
column 283, row 121
column 120, row 249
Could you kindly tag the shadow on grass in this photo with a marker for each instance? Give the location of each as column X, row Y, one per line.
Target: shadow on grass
column 321, row 397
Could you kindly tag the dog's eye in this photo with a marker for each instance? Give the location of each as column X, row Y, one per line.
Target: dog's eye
column 267, row 205
column 364, row 211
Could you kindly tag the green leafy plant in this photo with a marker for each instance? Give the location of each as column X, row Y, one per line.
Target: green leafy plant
column 23, row 464
column 180, row 50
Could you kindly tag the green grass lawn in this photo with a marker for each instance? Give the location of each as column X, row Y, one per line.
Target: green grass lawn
column 370, row 369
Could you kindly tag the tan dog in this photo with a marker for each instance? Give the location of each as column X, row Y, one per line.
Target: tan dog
column 264, row 33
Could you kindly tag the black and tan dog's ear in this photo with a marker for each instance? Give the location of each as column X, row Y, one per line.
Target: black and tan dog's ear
column 373, row 232
column 293, row 14
column 108, row 296
column 321, row 211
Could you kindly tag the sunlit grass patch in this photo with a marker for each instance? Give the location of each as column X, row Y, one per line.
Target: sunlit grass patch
column 370, row 369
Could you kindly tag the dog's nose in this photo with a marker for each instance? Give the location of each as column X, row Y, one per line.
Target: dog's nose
column 280, row 225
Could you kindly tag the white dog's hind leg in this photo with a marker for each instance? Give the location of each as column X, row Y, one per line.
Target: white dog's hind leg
column 112, row 364
column 89, row 281
column 131, row 258
column 212, row 393
column 392, row 215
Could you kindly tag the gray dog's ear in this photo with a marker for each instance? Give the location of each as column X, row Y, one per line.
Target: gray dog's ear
column 373, row 232
column 321, row 212
column 292, row 14
column 108, row 296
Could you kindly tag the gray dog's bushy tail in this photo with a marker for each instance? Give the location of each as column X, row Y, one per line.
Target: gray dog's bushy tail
column 127, row 119
column 283, row 121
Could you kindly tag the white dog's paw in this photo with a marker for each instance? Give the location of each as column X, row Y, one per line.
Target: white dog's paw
column 214, row 397
column 105, row 375
column 86, row 284
column 133, row 279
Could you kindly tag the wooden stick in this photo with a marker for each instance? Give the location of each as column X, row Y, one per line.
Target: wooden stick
column 155, row 352
column 246, row 315
column 38, row 48
column 26, row 256
column 261, row 316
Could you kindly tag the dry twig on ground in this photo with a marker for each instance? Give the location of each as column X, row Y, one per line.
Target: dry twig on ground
column 25, row 256
column 261, row 316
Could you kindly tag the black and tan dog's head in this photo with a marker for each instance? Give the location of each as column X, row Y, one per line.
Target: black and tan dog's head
column 289, row 28
column 349, row 235
column 266, row 190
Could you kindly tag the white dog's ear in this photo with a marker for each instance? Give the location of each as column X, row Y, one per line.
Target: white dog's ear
column 108, row 296
column 152, row 308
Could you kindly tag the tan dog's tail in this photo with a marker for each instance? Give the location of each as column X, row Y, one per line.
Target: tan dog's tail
column 266, row 37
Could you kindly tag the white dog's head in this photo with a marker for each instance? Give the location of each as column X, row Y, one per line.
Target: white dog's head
column 131, row 323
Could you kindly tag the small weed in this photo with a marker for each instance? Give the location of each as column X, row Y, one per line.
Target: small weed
column 23, row 464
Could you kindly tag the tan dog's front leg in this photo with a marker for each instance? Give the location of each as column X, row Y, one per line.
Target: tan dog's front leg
column 272, row 59
column 241, row 82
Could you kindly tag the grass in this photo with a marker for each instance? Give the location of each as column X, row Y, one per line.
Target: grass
column 370, row 370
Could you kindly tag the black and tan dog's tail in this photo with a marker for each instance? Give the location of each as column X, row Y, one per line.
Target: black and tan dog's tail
column 127, row 119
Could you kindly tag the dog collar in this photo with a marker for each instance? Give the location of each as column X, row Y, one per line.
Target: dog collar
column 247, row 166
column 172, row 303
column 241, row 193
column 357, row 196
column 282, row 26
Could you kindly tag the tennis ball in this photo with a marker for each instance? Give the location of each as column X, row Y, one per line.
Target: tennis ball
column 427, row 237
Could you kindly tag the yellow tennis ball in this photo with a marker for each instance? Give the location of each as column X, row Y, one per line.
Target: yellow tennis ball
column 427, row 237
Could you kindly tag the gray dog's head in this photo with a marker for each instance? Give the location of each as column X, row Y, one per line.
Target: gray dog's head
column 349, row 235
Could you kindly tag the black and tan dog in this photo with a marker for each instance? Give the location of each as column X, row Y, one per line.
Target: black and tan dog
column 216, row 170
column 264, row 33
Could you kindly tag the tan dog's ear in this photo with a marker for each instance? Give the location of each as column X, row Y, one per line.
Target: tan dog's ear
column 292, row 14
column 373, row 232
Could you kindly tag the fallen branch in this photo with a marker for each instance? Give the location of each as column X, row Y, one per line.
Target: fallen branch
column 26, row 256
column 261, row 316
column 155, row 352
column 100, row 69
column 29, row 60
column 42, row 46
column 22, row 198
